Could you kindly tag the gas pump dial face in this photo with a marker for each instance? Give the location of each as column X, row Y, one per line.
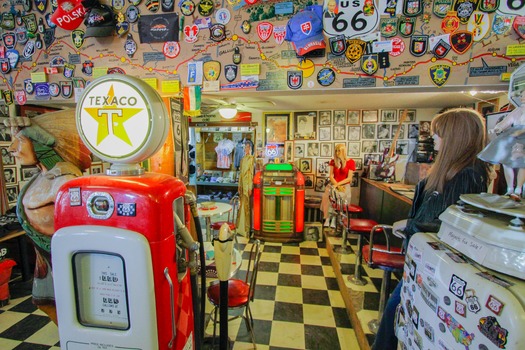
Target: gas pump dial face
column 122, row 119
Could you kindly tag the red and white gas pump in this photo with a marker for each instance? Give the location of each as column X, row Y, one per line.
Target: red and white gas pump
column 121, row 251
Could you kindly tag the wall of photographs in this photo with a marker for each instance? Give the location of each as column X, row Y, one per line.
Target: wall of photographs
column 308, row 138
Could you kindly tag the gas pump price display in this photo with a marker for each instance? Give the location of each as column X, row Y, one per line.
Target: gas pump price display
column 100, row 285
column 354, row 18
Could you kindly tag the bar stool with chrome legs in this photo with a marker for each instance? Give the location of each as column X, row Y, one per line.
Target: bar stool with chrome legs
column 387, row 258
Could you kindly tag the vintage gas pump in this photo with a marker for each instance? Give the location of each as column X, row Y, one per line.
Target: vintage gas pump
column 121, row 250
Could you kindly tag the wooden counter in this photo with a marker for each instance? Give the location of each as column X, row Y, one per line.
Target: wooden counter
column 381, row 203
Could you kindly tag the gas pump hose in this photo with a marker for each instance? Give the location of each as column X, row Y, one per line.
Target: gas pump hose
column 198, row 309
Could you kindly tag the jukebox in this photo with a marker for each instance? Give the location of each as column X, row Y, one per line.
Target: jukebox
column 120, row 252
column 278, row 203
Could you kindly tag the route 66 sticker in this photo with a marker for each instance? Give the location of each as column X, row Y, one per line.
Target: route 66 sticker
column 352, row 19
column 457, row 286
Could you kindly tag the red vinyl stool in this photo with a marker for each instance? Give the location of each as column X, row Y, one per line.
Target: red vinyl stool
column 359, row 227
column 387, row 258
column 232, row 217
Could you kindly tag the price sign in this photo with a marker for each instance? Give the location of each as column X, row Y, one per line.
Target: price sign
column 354, row 18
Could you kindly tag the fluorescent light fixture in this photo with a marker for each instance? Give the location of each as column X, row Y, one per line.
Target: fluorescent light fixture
column 228, row 111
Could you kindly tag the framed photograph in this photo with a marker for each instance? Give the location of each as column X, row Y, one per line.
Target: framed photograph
column 313, row 231
column 355, row 180
column 402, row 147
column 383, row 131
column 325, row 133
column 312, row 149
column 369, row 116
column 339, row 132
column 384, row 144
column 320, row 184
column 7, row 158
column 277, row 125
column 388, row 115
column 353, row 149
column 298, row 150
column 322, row 167
column 305, row 125
column 5, row 135
column 413, row 131
column 12, row 194
column 29, row 172
column 340, row 117
column 326, row 149
column 424, row 130
column 371, row 158
column 401, row 131
column 369, row 131
column 411, row 115
column 288, row 151
column 325, row 117
column 354, row 133
column 10, row 176
column 305, row 165
column 353, row 116
column 97, row 169
column 489, row 106
column 309, row 181
column 358, row 164
column 369, row 146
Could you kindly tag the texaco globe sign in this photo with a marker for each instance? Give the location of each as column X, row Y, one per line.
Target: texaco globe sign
column 122, row 119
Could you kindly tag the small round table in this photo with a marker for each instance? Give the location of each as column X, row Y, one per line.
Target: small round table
column 217, row 208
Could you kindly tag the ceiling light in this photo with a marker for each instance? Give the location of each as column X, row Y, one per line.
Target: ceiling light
column 228, row 111
column 473, row 92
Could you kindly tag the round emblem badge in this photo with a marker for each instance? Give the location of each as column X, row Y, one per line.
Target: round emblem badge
column 246, row 27
column 153, row 5
column 223, row 16
column 217, row 32
column 171, row 49
column 130, row 46
column 206, row 7
column 326, row 77
column 187, row 7
column 54, row 89
column 132, row 13
column 135, row 2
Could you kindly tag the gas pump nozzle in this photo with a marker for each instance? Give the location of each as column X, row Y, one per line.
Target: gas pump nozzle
column 187, row 241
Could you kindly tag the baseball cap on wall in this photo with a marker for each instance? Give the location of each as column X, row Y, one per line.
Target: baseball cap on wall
column 99, row 21
column 69, row 14
column 305, row 30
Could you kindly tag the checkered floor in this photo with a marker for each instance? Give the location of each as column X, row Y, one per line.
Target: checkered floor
column 297, row 305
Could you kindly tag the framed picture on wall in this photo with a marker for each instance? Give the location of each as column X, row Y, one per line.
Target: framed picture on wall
column 489, row 106
column 369, row 131
column 320, row 184
column 313, row 231
column 312, row 149
column 411, row 115
column 352, row 117
column 325, row 117
column 353, row 149
column 370, row 116
column 326, row 149
column 12, row 194
column 358, row 164
column 277, row 125
column 340, row 117
column 299, row 150
column 322, row 167
column 354, row 133
column 305, row 165
column 339, row 132
column 389, row 115
column 309, row 180
column 369, row 146
column 10, row 176
column 305, row 125
column 7, row 158
column 29, row 172
column 325, row 133
column 288, row 151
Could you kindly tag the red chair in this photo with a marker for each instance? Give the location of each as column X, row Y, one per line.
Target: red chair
column 240, row 293
column 232, row 217
column 387, row 258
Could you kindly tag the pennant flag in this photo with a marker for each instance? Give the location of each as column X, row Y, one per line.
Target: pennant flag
column 192, row 101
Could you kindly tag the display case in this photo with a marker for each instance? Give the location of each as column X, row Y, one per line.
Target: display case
column 278, row 203
column 216, row 180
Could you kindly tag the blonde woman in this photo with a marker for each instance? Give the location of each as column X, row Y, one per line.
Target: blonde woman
column 341, row 171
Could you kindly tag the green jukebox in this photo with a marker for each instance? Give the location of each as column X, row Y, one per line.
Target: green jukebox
column 278, row 203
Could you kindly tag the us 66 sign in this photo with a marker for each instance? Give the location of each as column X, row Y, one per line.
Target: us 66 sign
column 351, row 18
